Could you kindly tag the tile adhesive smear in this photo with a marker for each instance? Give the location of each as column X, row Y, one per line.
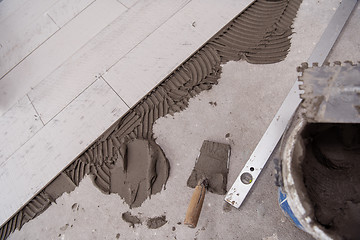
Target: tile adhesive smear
column 211, row 164
column 259, row 35
column 210, row 173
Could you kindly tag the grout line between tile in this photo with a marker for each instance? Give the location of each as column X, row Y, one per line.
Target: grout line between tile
column 73, row 100
column 76, row 14
column 114, row 91
column 47, row 121
column 1, row 164
column 35, row 110
column 53, row 20
column 1, row 77
column 122, row 4
column 147, row 36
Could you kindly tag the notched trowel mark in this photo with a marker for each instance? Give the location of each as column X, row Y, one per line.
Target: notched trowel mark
column 262, row 39
column 267, row 40
column 131, row 219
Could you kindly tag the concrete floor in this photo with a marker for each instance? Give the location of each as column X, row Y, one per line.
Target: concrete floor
column 247, row 97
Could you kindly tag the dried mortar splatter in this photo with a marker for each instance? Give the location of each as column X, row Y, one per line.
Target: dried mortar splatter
column 156, row 222
column 131, row 219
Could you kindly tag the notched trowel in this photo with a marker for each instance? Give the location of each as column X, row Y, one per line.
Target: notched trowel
column 210, row 173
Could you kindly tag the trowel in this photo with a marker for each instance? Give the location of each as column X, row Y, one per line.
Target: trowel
column 210, row 173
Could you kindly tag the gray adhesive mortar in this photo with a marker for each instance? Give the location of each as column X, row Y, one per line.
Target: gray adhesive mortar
column 324, row 138
column 255, row 39
column 259, row 40
column 259, row 218
column 331, row 169
column 212, row 165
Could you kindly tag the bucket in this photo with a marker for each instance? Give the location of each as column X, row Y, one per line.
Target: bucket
column 321, row 196
column 318, row 173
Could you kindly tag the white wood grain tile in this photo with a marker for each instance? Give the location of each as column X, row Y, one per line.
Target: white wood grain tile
column 17, row 45
column 21, row 13
column 152, row 60
column 149, row 63
column 133, row 70
column 51, row 54
column 209, row 16
column 40, row 159
column 17, row 126
column 65, row 10
column 23, row 31
column 128, row 3
column 8, row 7
column 99, row 54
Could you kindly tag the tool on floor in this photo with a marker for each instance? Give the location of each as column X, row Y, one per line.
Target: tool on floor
column 210, row 173
column 271, row 137
column 195, row 205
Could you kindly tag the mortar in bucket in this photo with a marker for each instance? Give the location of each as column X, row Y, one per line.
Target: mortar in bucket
column 319, row 171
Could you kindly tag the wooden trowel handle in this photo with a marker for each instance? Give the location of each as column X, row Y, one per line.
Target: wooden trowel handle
column 195, row 205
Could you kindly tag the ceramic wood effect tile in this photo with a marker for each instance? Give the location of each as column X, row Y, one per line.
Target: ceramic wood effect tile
column 56, row 50
column 47, row 153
